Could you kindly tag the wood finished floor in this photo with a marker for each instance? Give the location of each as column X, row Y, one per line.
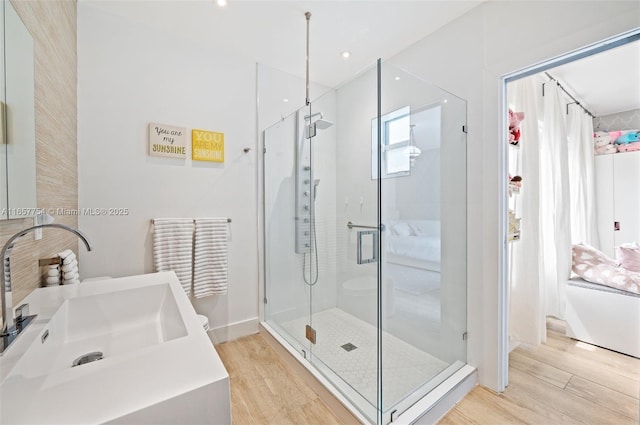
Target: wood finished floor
column 561, row 382
column 265, row 391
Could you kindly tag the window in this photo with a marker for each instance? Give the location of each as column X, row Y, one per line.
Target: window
column 396, row 131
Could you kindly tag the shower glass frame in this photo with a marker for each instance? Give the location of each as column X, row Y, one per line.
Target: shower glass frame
column 294, row 301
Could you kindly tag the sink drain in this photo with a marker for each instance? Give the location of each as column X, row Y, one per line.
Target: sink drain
column 88, row 358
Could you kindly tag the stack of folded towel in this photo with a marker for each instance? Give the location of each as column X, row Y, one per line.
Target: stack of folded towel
column 53, row 275
column 69, row 267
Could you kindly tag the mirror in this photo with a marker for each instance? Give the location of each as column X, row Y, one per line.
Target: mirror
column 18, row 141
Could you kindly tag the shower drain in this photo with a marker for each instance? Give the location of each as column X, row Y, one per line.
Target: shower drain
column 348, row 347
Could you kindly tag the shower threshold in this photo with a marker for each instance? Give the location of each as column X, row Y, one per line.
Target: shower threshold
column 351, row 405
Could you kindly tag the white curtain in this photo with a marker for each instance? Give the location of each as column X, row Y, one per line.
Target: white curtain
column 556, row 203
column 582, row 177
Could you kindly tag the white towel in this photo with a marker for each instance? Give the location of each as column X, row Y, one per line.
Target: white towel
column 53, row 271
column 71, row 278
column 173, row 248
column 7, row 272
column 71, row 274
column 73, row 265
column 67, row 254
column 53, row 280
column 210, row 257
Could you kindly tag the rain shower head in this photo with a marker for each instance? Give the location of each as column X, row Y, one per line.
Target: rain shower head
column 319, row 124
column 323, row 124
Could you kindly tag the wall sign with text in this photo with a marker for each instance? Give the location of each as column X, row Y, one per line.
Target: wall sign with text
column 207, row 146
column 167, row 141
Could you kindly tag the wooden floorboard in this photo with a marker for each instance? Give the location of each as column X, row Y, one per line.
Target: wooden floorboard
column 265, row 391
column 563, row 381
column 560, row 382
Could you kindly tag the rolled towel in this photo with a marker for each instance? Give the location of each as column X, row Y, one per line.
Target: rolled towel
column 53, row 280
column 69, row 259
column 72, row 281
column 66, row 253
column 73, row 265
column 71, row 274
column 53, row 271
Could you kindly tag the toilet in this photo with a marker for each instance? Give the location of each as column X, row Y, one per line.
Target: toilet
column 358, row 297
column 204, row 320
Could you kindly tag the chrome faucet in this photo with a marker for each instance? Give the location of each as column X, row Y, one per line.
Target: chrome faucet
column 9, row 333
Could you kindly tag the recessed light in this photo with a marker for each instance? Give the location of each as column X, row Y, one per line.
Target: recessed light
column 285, row 100
column 222, row 3
column 346, row 54
column 445, row 101
column 397, row 78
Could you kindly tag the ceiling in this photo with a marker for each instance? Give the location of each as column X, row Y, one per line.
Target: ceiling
column 273, row 32
column 605, row 83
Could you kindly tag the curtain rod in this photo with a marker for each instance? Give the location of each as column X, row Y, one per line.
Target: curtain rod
column 568, row 94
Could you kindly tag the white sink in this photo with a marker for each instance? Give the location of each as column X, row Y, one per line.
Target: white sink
column 155, row 357
column 113, row 323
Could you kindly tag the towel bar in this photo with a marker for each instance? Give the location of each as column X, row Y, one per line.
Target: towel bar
column 49, row 261
column 194, row 220
column 350, row 225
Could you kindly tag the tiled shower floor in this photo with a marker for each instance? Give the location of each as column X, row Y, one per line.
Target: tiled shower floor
column 405, row 368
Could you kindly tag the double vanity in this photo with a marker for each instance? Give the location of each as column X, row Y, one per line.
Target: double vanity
column 126, row 350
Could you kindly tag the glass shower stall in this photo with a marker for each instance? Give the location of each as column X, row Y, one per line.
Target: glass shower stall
column 365, row 237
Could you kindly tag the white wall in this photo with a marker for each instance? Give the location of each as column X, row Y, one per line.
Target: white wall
column 131, row 73
column 468, row 57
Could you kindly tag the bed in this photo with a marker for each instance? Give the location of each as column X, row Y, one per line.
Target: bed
column 603, row 316
column 603, row 300
column 414, row 243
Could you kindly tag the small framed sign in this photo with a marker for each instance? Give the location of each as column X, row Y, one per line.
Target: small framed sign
column 167, row 141
column 207, row 146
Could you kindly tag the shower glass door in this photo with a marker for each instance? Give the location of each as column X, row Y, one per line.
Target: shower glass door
column 344, row 300
column 421, row 173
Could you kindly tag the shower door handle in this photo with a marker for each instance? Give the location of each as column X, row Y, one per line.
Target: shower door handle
column 374, row 246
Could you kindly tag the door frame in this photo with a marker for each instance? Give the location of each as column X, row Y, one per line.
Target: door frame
column 503, row 289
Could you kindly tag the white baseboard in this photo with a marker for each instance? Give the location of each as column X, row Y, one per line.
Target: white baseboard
column 436, row 404
column 234, row 330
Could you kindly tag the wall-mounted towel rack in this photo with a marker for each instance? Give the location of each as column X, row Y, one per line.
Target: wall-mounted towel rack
column 194, row 220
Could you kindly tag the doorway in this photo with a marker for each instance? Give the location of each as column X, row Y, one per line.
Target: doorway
column 517, row 234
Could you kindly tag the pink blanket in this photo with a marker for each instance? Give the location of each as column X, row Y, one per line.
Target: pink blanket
column 595, row 267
